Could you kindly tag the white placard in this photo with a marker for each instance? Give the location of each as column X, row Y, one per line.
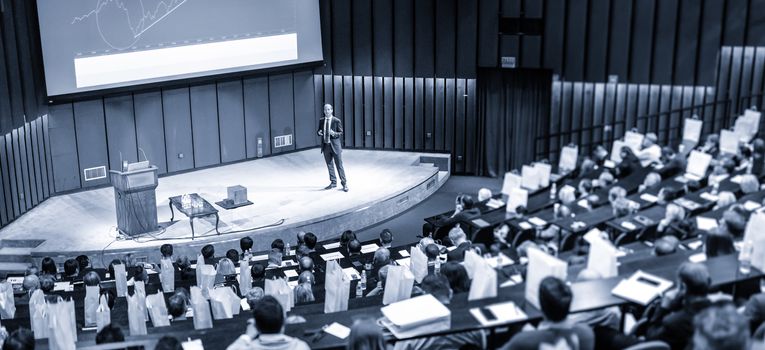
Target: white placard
column 518, row 197
column 602, row 258
column 543, row 172
column 728, row 141
column 511, row 181
column 756, row 235
column 616, row 151
column 541, row 265
column 634, row 140
column 568, row 157
column 529, row 178
column 698, row 162
column 692, row 130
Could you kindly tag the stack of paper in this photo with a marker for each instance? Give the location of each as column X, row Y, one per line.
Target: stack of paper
column 705, row 224
column 419, row 315
column 497, row 314
column 641, row 287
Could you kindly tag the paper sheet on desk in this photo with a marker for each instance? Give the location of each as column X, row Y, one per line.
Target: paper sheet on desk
column 500, row 260
column 525, row 225
column 369, row 248
column 351, row 273
column 338, row 330
column 514, row 279
column 259, row 257
column 195, row 344
column 710, row 197
column 332, row 245
column 751, row 205
column 494, row 203
column 332, row 256
column 63, row 287
column 404, row 262
column 15, row 280
column 705, row 224
column 290, row 273
column 403, row 253
column 537, row 221
column 504, row 313
column 641, row 287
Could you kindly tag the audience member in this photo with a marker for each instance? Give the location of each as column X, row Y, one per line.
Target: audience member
column 354, row 247
column 710, row 144
column 457, row 276
column 607, row 317
column 306, row 277
column 734, row 221
column 253, row 295
column 278, row 244
column 301, row 237
column 266, row 331
column 651, row 181
column 168, row 343
column 720, row 327
column 749, row 184
column 304, row 293
column 232, row 255
column 754, row 310
column 20, row 339
column 32, row 270
column 48, row 266
column 717, row 244
column 438, row 287
column 651, row 152
column 71, row 270
column 459, row 240
column 167, row 251
column 346, row 237
column 673, row 163
column 665, row 245
column 245, row 244
column 672, row 321
column 365, row 335
column 30, row 284
column 83, row 263
column 91, row 279
column 386, row 238
column 274, row 268
column 484, row 194
column 629, row 164
column 382, row 274
column 109, row 334
column 177, row 305
column 673, row 215
column 258, row 273
column 724, row 199
column 310, row 241
column 47, row 282
column 208, row 253
column 555, row 301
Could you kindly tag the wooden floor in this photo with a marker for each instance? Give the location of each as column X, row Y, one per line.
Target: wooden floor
column 288, row 187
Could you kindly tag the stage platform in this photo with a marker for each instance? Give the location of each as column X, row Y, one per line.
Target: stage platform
column 287, row 192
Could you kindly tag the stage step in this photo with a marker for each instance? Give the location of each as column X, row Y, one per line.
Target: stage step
column 12, row 267
column 15, row 254
column 21, row 243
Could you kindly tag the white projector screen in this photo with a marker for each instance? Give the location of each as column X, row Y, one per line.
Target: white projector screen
column 93, row 45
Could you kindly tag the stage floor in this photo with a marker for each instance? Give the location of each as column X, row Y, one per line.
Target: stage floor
column 288, row 187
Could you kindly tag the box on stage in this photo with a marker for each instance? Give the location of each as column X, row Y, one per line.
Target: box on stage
column 237, row 194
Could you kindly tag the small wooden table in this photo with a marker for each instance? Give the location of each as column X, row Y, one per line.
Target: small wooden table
column 206, row 210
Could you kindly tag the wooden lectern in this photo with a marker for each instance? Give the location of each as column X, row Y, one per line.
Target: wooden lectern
column 135, row 200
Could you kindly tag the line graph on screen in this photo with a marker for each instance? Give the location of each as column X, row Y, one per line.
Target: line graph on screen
column 121, row 23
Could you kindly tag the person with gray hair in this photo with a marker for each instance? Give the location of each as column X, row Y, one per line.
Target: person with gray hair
column 30, row 284
column 749, row 184
column 484, row 194
column 331, row 130
column 304, row 293
column 253, row 295
column 651, row 151
column 459, row 240
column 720, row 327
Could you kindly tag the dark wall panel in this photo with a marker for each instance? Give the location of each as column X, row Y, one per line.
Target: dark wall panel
column 91, row 138
column 178, row 137
column 63, row 146
column 467, row 33
column 382, row 37
column 445, row 37
column 231, row 114
column 388, row 121
column 342, row 48
column 735, row 23
column 689, row 16
column 378, row 103
column 555, row 15
column 120, row 131
column 362, row 37
column 642, row 41
column 204, row 125
column 403, row 37
column 488, row 27
column 709, row 40
column 423, row 38
column 398, row 112
column 256, row 117
column 597, row 40
column 150, row 128
column 576, row 45
column 346, row 114
column 663, row 56
column 280, row 99
column 306, row 113
column 618, row 45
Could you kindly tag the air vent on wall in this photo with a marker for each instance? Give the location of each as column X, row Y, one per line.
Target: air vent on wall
column 95, row 173
column 283, row 141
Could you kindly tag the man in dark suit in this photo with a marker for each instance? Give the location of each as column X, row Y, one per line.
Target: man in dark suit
column 330, row 130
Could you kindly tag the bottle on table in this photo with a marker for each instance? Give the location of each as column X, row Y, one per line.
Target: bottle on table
column 553, row 191
column 287, row 249
column 363, row 281
column 745, row 258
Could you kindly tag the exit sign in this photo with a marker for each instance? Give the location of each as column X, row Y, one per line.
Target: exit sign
column 508, row 61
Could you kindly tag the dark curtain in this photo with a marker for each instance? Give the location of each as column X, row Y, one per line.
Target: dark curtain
column 513, row 110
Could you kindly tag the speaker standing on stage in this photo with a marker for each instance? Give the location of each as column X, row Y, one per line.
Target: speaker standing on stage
column 331, row 147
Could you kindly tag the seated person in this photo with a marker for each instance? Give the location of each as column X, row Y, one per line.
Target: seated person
column 301, row 237
column 459, row 240
column 584, row 188
column 457, row 276
column 304, row 293
column 484, row 194
column 672, row 321
column 208, row 253
column 555, row 301
column 226, row 272
column 305, row 264
column 615, row 193
column 21, row 338
column 168, row 343
column 599, row 155
column 629, row 164
column 464, row 210
column 346, row 237
column 71, row 270
column 650, row 152
column 48, row 267
column 84, row 263
column 30, row 284
column 710, row 144
column 717, row 244
column 606, row 179
column 673, row 216
column 749, row 184
column 354, row 255
column 608, row 317
column 232, row 255
column 47, row 282
column 177, row 304
column 665, row 245
column 110, row 334
column 258, row 273
column 651, row 181
column 166, row 250
column 622, row 207
column 386, row 238
column 266, row 331
column 91, row 279
column 724, row 199
column 310, row 242
column 734, row 221
column 720, row 327
column 438, row 287
column 245, row 244
column 278, row 244
column 758, row 157
column 567, row 197
column 253, row 295
column 673, row 164
column 382, row 274
column 274, row 268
